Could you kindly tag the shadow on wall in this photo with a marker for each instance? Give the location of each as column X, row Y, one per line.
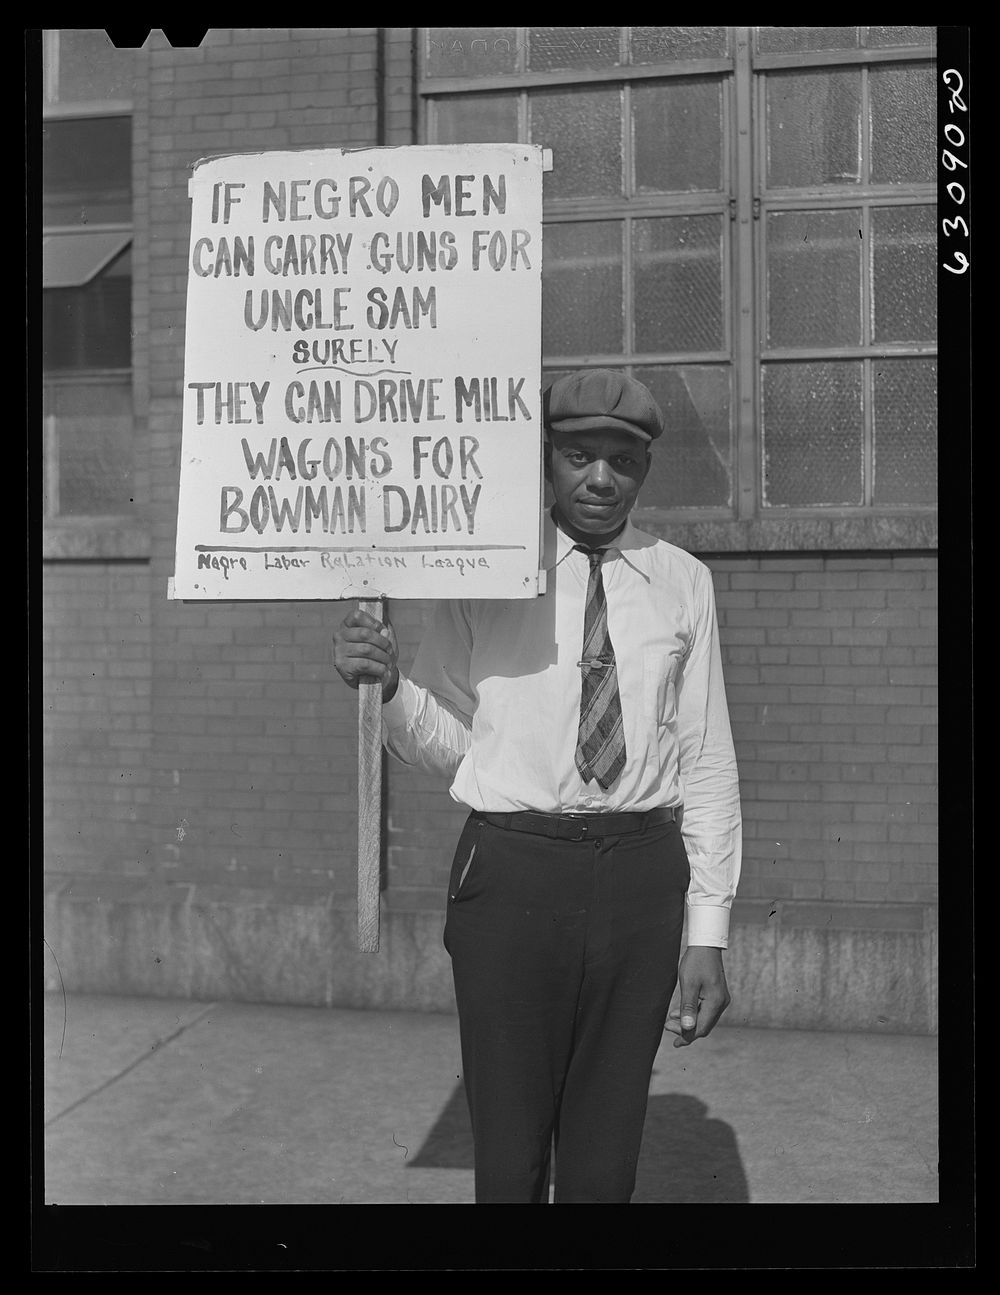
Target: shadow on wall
column 685, row 1158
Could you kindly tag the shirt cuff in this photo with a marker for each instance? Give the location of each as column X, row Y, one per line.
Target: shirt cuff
column 708, row 924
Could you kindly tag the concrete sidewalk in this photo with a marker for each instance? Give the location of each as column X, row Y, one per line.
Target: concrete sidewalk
column 168, row 1102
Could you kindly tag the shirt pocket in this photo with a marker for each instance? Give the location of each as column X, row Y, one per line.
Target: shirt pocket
column 660, row 688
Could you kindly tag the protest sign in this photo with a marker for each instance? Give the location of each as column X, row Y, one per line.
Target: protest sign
column 362, row 368
column 361, row 410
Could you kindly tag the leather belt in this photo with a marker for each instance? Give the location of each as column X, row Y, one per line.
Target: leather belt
column 580, row 827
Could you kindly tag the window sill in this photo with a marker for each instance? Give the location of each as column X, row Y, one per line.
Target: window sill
column 95, row 538
column 880, row 532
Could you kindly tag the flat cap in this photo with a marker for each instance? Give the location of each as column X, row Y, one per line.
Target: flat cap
column 597, row 398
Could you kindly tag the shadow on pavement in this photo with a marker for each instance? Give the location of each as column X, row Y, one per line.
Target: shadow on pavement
column 449, row 1143
column 685, row 1158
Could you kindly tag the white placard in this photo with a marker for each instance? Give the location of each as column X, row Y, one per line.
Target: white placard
column 362, row 368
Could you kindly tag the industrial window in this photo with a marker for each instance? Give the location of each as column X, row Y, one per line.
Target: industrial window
column 743, row 218
column 87, row 405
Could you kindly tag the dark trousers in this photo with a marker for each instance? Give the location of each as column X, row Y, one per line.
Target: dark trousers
column 564, row 955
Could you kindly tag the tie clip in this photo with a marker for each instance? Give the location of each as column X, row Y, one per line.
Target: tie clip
column 594, row 663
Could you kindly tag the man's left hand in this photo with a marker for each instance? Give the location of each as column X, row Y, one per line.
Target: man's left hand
column 704, row 995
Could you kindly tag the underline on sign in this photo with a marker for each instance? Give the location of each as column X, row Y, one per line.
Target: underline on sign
column 352, row 548
column 373, row 374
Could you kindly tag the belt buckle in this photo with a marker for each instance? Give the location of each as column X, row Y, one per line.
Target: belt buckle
column 580, row 822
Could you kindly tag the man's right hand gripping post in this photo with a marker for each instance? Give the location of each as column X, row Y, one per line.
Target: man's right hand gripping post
column 365, row 648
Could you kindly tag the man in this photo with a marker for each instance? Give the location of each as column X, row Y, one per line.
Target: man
column 588, row 733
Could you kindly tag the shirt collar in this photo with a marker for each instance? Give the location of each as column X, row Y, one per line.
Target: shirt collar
column 626, row 544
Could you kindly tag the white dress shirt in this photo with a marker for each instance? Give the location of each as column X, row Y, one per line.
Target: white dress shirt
column 493, row 703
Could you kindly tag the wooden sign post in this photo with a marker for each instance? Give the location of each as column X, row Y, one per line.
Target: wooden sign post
column 369, row 800
column 362, row 380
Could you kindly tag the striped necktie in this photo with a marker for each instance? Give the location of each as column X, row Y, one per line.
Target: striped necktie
column 600, row 747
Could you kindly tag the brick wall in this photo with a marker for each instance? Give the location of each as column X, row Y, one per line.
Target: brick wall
column 200, row 759
column 95, row 719
column 398, row 87
column 831, row 679
column 249, row 731
column 248, row 766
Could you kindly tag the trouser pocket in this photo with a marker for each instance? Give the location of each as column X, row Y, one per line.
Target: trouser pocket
column 465, row 856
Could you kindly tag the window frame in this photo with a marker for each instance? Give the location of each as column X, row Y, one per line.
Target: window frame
column 748, row 523
column 85, row 536
column 864, row 195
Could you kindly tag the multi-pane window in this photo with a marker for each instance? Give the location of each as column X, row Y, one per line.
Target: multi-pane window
column 86, row 277
column 743, row 218
column 848, row 296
